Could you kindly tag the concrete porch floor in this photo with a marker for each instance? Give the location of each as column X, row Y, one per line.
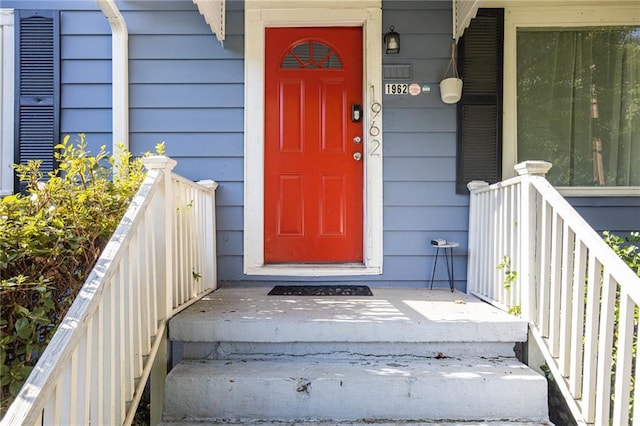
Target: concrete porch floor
column 391, row 314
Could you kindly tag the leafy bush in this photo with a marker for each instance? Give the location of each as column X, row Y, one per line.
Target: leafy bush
column 49, row 241
column 627, row 248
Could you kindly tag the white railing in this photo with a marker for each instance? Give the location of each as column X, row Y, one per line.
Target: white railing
column 161, row 258
column 580, row 298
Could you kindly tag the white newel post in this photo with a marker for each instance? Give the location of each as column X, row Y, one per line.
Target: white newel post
column 165, row 277
column 473, row 272
column 165, row 165
column 211, row 276
column 526, row 269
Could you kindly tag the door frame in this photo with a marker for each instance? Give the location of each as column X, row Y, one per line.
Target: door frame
column 260, row 14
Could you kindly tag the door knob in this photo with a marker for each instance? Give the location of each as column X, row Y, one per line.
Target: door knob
column 357, row 156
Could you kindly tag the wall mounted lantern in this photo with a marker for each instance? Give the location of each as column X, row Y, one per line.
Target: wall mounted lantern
column 392, row 41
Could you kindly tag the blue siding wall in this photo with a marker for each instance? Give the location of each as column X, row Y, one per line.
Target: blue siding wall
column 619, row 215
column 187, row 90
column 420, row 148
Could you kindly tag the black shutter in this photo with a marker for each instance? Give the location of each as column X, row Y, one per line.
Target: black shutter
column 37, row 86
column 479, row 150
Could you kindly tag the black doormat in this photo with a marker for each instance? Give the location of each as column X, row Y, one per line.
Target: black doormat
column 320, row 290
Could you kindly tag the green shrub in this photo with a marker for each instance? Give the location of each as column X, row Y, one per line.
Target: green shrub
column 627, row 248
column 50, row 239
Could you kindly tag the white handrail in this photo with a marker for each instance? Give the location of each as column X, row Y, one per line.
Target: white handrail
column 579, row 297
column 96, row 366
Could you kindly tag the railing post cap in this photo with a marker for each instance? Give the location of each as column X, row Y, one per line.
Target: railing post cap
column 532, row 167
column 158, row 162
column 476, row 184
column 208, row 183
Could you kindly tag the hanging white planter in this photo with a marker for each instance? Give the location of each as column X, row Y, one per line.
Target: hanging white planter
column 451, row 90
column 451, row 87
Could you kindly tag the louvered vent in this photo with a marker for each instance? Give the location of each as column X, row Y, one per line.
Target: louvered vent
column 37, row 87
column 479, row 153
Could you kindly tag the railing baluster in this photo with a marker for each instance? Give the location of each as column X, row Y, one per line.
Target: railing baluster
column 594, row 288
column 97, row 383
column 118, row 283
column 138, row 352
column 151, row 223
column 514, row 243
column 86, row 391
column 623, row 360
column 73, row 389
column 543, row 267
column 130, row 324
column 62, row 396
column 111, row 365
column 577, row 320
column 501, row 235
column 147, row 285
column 605, row 350
column 49, row 411
column 567, row 303
column 556, row 286
column 495, row 281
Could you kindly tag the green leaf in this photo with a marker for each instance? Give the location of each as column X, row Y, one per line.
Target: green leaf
column 23, row 328
column 5, row 379
column 15, row 386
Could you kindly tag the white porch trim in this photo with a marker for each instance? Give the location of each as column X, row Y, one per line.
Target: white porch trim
column 463, row 12
column 7, row 76
column 214, row 15
column 258, row 16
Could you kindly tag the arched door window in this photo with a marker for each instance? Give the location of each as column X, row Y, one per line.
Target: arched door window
column 311, row 55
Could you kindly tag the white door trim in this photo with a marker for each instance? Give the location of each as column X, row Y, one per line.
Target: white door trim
column 259, row 16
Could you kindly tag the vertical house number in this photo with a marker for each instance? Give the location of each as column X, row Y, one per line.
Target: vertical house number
column 396, row 89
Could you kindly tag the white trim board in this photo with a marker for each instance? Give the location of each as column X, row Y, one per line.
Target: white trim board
column 6, row 100
column 258, row 16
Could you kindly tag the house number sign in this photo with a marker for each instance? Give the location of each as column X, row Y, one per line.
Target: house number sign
column 396, row 89
column 413, row 89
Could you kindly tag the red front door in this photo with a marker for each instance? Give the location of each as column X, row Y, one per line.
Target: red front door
column 313, row 150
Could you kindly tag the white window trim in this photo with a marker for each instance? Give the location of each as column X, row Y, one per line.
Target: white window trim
column 556, row 16
column 7, row 47
column 258, row 16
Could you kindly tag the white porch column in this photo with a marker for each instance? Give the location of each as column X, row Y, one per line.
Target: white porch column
column 528, row 222
column 164, row 241
column 165, row 165
column 211, row 266
column 474, row 253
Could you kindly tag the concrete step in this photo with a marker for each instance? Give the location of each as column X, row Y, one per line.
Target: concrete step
column 375, row 389
column 249, row 319
column 343, row 350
